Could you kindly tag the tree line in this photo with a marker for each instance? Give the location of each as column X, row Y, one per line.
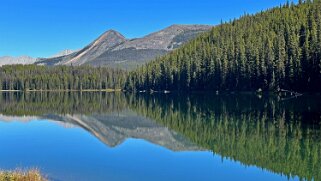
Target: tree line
column 33, row 77
column 276, row 49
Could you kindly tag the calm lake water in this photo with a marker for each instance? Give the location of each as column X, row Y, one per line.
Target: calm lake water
column 116, row 136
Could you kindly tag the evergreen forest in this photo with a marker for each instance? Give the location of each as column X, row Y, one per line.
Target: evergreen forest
column 276, row 49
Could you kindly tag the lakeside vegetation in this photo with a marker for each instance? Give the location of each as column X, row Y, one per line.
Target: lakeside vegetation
column 18, row 175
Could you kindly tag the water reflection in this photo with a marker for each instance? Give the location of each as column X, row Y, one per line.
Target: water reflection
column 266, row 132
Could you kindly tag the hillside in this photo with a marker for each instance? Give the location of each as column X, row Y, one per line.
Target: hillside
column 276, row 49
column 113, row 50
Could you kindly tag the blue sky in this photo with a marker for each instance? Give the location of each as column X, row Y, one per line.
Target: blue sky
column 42, row 28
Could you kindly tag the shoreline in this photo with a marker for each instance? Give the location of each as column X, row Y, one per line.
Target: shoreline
column 85, row 90
column 170, row 92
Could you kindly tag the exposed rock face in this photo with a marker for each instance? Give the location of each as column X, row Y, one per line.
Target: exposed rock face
column 114, row 50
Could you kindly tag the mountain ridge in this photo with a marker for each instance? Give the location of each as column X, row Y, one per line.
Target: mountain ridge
column 112, row 49
column 25, row 59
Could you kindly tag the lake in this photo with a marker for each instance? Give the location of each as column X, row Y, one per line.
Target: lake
column 181, row 137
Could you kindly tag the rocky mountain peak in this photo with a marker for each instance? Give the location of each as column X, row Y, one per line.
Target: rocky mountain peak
column 104, row 43
column 112, row 35
column 114, row 50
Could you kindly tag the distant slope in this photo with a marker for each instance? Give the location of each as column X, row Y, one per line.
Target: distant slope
column 9, row 60
column 272, row 50
column 114, row 50
column 6, row 60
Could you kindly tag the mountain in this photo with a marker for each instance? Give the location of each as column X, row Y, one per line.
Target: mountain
column 6, row 60
column 114, row 50
column 274, row 50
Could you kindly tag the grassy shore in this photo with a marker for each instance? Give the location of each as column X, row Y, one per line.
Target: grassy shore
column 31, row 175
